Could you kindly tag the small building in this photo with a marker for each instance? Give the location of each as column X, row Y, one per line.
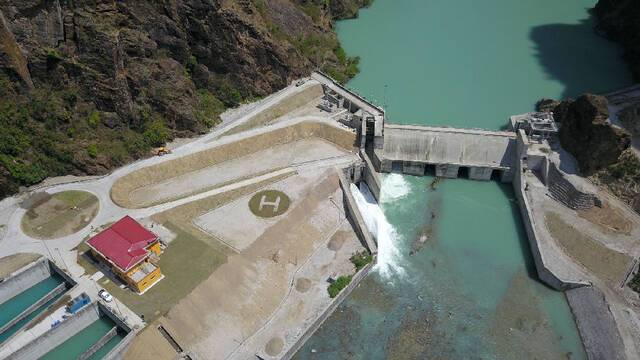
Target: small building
column 130, row 251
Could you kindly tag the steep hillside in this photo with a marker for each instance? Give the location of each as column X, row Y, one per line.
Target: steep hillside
column 87, row 85
column 620, row 21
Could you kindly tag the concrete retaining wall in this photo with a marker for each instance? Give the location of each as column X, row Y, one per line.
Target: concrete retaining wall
column 24, row 278
column 371, row 176
column 544, row 273
column 596, row 324
column 353, row 213
column 56, row 336
column 105, row 311
column 357, row 278
column 120, row 350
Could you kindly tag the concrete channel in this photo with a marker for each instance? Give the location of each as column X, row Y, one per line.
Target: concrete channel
column 28, row 292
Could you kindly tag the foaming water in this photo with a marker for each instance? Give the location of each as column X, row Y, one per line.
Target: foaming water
column 394, row 187
column 389, row 257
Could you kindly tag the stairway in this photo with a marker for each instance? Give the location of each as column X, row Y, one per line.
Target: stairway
column 565, row 192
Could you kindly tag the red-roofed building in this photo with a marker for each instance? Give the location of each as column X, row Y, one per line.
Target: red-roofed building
column 131, row 251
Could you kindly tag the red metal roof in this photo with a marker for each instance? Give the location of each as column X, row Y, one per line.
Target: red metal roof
column 123, row 243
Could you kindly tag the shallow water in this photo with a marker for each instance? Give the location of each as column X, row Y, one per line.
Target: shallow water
column 468, row 288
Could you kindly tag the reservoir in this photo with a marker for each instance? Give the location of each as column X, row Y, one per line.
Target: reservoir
column 457, row 280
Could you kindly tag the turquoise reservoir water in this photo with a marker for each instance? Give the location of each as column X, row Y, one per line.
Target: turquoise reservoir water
column 471, row 63
column 79, row 343
column 19, row 303
column 469, row 291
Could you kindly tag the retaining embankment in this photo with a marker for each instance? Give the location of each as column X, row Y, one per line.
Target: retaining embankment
column 52, row 294
column 536, row 244
column 357, row 278
column 354, row 215
column 52, row 338
column 596, row 324
column 24, row 278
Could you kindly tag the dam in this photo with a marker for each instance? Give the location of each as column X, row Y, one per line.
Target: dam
column 420, row 150
column 521, row 156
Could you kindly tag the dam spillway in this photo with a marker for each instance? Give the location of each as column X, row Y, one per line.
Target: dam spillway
column 414, row 149
column 420, row 150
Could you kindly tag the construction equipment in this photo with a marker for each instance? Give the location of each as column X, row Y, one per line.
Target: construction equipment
column 161, row 151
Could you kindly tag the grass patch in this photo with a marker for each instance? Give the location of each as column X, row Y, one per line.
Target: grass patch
column 604, row 262
column 337, row 286
column 186, row 262
column 60, row 214
column 361, row 259
column 270, row 196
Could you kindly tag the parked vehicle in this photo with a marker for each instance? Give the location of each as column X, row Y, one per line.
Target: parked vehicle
column 104, row 295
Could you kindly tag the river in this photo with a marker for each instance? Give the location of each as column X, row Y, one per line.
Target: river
column 468, row 290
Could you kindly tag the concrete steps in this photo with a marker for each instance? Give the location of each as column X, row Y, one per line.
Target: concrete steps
column 565, row 192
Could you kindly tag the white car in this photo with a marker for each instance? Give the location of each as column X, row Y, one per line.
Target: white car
column 104, row 295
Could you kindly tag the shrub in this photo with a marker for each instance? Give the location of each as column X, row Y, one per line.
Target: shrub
column 156, row 133
column 94, row 118
column 26, row 174
column 337, row 286
column 209, row 108
column 92, row 150
column 361, row 259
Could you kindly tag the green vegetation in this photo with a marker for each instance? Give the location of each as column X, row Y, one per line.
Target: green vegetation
column 209, row 109
column 361, row 259
column 337, row 286
column 92, row 150
column 627, row 168
column 94, row 119
column 156, row 133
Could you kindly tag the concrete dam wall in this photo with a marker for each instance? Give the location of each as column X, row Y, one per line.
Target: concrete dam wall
column 447, row 152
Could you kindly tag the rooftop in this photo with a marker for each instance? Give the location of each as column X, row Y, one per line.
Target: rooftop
column 123, row 243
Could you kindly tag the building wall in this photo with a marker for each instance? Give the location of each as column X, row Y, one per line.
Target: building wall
column 148, row 280
column 155, row 247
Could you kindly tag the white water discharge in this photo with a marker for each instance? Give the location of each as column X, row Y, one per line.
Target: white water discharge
column 394, row 187
column 388, row 255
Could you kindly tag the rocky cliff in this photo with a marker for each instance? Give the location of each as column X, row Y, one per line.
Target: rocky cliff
column 586, row 133
column 602, row 150
column 87, row 85
column 620, row 21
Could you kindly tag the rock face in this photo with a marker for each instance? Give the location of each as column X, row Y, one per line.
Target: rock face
column 587, row 135
column 620, row 21
column 89, row 85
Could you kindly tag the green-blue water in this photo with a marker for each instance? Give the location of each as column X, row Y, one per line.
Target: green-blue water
column 471, row 63
column 19, row 303
column 82, row 341
column 470, row 291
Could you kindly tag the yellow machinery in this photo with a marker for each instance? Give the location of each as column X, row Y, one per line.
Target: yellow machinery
column 161, row 151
